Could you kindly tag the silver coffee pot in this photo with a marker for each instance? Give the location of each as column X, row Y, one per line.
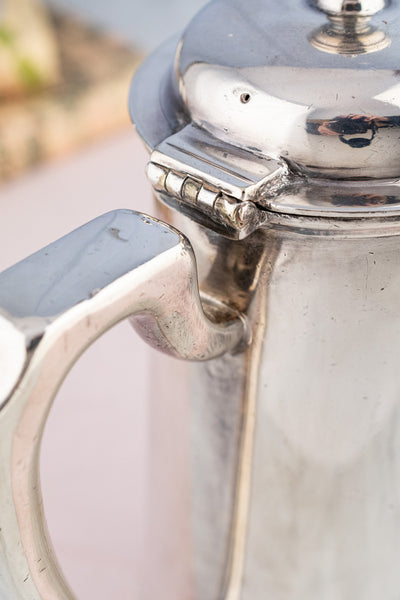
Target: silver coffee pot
column 274, row 137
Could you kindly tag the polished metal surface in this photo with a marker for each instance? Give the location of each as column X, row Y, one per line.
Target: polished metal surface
column 191, row 165
column 305, row 466
column 53, row 305
column 220, row 414
column 324, row 497
column 364, row 8
column 273, row 129
column 349, row 31
column 299, row 443
column 328, row 112
column 349, row 36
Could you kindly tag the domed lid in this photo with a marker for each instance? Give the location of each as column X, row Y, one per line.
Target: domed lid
column 316, row 83
column 266, row 89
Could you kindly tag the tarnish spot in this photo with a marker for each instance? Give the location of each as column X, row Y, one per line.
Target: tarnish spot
column 115, row 232
column 147, row 220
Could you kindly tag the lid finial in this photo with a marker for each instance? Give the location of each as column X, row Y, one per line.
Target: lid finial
column 348, row 30
column 359, row 8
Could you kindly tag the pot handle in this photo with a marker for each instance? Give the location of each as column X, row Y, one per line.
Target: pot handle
column 53, row 305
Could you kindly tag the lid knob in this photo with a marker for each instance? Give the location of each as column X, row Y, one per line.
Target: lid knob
column 359, row 8
column 348, row 30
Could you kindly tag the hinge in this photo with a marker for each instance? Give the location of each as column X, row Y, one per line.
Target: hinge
column 242, row 216
column 218, row 179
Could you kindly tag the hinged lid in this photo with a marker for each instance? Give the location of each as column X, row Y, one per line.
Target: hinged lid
column 264, row 94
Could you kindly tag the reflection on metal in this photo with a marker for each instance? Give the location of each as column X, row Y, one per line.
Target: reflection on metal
column 238, row 219
column 352, row 200
column 349, row 31
column 319, row 291
column 349, row 38
column 349, row 35
column 253, row 134
column 216, row 178
column 358, row 8
column 53, row 305
column 223, row 426
column 245, row 105
column 351, row 128
column 324, row 512
column 232, row 586
column 308, row 109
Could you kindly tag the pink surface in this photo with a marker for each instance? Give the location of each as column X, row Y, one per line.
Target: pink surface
column 94, row 454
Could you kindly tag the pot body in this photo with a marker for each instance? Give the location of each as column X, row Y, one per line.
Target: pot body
column 292, row 484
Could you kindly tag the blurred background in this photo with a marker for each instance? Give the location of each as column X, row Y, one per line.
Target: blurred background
column 65, row 66
column 67, row 154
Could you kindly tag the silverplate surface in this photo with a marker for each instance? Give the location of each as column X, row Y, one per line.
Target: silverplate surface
column 274, row 142
column 295, row 486
column 53, row 305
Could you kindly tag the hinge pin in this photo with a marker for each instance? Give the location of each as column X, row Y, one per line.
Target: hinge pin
column 243, row 217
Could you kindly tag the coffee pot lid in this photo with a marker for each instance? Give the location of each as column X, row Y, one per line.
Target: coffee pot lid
column 316, row 83
column 305, row 87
